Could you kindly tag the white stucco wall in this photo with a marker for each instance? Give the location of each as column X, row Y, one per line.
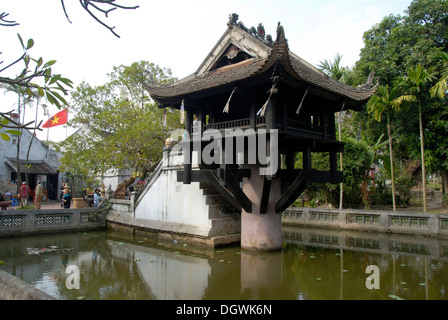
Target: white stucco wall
column 170, row 201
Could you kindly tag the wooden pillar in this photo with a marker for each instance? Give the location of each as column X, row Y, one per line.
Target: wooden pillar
column 188, row 125
column 331, row 125
column 290, row 157
column 253, row 116
column 333, row 166
column 285, row 114
column 307, row 158
column 324, row 123
column 271, row 115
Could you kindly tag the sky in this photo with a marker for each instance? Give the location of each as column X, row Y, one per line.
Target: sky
column 176, row 34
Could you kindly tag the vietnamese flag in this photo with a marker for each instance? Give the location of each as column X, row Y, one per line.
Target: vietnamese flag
column 59, row 118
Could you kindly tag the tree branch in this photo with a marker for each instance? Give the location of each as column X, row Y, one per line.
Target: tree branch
column 6, row 23
column 17, row 125
column 85, row 4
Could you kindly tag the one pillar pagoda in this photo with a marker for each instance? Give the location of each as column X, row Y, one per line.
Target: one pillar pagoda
column 283, row 107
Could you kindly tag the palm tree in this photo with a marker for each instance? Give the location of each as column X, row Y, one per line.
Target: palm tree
column 335, row 70
column 415, row 80
column 341, row 74
column 383, row 102
column 439, row 90
column 441, row 87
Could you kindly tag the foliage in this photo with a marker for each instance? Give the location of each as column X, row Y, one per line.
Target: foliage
column 35, row 69
column 404, row 189
column 336, row 71
column 36, row 78
column 357, row 160
column 121, row 127
column 404, row 47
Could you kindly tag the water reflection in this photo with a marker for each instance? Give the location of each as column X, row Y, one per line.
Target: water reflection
column 314, row 264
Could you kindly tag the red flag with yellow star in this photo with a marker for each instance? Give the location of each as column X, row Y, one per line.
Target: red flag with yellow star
column 59, row 118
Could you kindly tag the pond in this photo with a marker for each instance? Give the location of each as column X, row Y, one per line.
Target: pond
column 313, row 264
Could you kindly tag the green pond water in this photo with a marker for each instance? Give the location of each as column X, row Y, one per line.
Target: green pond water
column 313, row 264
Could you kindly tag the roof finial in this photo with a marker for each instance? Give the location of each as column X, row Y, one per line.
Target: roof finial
column 280, row 33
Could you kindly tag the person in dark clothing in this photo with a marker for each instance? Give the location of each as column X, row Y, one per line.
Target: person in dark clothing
column 62, row 193
column 66, row 199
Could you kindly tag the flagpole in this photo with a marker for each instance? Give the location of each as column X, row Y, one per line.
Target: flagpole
column 46, row 113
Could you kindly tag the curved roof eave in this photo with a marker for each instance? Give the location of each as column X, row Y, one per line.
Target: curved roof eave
column 279, row 55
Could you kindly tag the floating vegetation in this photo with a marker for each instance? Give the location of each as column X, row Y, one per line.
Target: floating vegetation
column 51, row 249
column 395, row 297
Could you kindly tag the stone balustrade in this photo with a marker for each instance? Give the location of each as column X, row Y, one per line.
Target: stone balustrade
column 430, row 224
column 24, row 222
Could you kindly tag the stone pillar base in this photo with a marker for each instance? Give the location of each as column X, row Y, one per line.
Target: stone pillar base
column 261, row 232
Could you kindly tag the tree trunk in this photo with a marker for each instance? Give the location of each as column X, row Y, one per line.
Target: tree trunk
column 341, row 194
column 444, row 175
column 423, row 156
column 391, row 163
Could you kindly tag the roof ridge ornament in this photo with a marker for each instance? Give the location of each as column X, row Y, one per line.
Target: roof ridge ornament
column 280, row 33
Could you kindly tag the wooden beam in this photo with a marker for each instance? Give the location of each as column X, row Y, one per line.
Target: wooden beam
column 224, row 191
column 234, row 187
column 299, row 185
column 266, row 190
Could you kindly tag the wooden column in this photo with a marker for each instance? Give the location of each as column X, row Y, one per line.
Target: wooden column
column 333, row 166
column 253, row 116
column 270, row 115
column 307, row 158
column 285, row 114
column 188, row 125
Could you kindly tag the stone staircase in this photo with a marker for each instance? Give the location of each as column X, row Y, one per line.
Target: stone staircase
column 223, row 215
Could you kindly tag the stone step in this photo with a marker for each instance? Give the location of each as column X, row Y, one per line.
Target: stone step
column 222, row 211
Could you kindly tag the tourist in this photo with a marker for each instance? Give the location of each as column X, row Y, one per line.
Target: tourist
column 62, row 193
column 97, row 198
column 38, row 195
column 24, row 192
column 66, row 199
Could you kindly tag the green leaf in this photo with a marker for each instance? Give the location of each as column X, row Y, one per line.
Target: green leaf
column 54, row 78
column 5, row 136
column 14, row 132
column 40, row 91
column 26, row 59
column 50, row 97
column 67, row 82
column 21, row 41
column 49, row 63
column 58, row 96
column 30, row 44
column 2, row 262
